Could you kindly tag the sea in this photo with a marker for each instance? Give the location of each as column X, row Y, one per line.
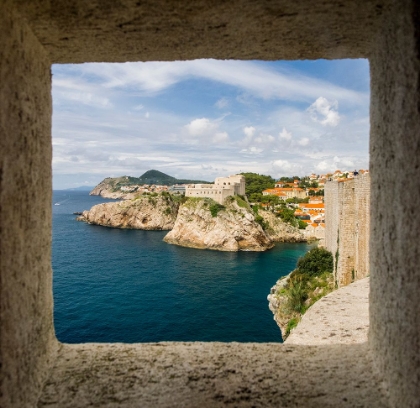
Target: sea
column 120, row 285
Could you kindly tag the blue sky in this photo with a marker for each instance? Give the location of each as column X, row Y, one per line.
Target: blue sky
column 207, row 118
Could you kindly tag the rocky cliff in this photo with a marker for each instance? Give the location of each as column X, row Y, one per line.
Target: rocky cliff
column 110, row 188
column 279, row 231
column 145, row 212
column 202, row 223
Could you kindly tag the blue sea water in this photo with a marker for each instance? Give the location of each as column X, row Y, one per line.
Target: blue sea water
column 113, row 285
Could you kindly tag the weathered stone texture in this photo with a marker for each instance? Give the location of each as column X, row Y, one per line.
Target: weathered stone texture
column 341, row 317
column 132, row 30
column 198, row 374
column 347, row 220
column 395, row 170
column 26, row 334
column 64, row 31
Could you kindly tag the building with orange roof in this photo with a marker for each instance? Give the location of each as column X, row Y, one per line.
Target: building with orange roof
column 291, row 192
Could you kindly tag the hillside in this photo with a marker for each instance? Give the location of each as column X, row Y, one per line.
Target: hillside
column 111, row 186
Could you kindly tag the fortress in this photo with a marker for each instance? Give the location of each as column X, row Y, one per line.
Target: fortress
column 222, row 188
column 347, row 221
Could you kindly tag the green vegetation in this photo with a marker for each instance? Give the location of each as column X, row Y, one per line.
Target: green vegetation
column 311, row 280
column 168, row 211
column 241, row 201
column 288, row 215
column 315, row 262
column 215, row 208
column 289, row 179
column 255, row 183
column 291, row 325
column 260, row 220
column 301, row 224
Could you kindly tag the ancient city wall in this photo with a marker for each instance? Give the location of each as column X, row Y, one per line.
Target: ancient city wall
column 347, row 227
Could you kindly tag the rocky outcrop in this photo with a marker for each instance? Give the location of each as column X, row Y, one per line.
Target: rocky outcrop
column 109, row 188
column 282, row 294
column 279, row 231
column 144, row 212
column 277, row 303
column 202, row 223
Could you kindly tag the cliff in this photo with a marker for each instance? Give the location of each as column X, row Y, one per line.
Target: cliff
column 280, row 231
column 202, row 223
column 110, row 188
column 145, row 212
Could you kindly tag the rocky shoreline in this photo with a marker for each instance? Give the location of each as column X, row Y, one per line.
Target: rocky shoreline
column 144, row 213
column 205, row 225
column 196, row 222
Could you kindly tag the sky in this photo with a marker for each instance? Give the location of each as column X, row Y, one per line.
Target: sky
column 207, row 118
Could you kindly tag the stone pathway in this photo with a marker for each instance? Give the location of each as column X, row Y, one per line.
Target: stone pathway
column 341, row 317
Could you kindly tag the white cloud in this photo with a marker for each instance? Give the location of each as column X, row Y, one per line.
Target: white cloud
column 252, row 77
column 304, row 141
column 252, row 151
column 222, row 103
column 138, row 107
column 264, row 139
column 198, row 127
column 285, row 135
column 285, row 167
column 147, row 115
column 324, row 112
column 249, row 131
column 220, row 137
column 206, row 129
column 324, row 166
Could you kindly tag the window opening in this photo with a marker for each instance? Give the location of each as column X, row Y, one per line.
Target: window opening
column 188, row 120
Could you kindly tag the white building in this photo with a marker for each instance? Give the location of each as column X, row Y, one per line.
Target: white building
column 222, row 188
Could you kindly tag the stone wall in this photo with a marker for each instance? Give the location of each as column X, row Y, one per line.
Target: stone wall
column 347, row 218
column 27, row 338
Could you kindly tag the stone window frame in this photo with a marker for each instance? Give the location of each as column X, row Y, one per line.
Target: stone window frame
column 36, row 34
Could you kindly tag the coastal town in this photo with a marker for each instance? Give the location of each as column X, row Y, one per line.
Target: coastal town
column 302, row 195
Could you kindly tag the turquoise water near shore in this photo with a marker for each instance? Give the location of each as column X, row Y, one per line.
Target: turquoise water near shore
column 113, row 285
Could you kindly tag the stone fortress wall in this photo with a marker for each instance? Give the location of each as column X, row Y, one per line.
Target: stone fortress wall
column 222, row 188
column 347, row 219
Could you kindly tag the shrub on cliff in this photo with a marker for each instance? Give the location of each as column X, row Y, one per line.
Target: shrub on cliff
column 311, row 280
column 316, row 262
column 215, row 208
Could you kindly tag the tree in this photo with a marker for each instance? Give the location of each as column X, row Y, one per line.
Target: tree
column 256, row 183
column 315, row 262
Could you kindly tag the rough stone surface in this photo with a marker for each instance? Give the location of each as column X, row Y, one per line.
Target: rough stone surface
column 387, row 32
column 233, row 229
column 26, row 333
column 341, row 317
column 212, row 375
column 394, row 245
column 145, row 213
column 129, row 30
column 279, row 231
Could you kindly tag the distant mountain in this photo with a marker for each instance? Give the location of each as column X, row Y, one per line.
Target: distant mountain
column 111, row 187
column 157, row 177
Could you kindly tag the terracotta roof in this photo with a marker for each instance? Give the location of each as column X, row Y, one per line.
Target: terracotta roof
column 311, row 205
